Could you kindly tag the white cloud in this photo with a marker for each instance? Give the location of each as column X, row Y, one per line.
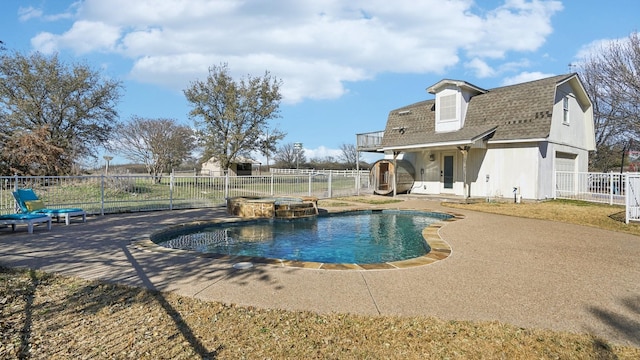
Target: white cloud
column 322, row 152
column 518, row 25
column 525, row 77
column 83, row 37
column 480, row 68
column 594, row 47
column 29, row 12
column 314, row 47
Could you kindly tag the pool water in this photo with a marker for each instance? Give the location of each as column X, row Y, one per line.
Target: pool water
column 362, row 237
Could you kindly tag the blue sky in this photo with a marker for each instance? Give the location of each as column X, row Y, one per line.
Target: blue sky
column 344, row 64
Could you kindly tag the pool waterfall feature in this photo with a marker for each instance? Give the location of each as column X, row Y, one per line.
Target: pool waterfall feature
column 273, row 207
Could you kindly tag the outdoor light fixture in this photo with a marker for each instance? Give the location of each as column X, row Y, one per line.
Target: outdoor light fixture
column 432, row 157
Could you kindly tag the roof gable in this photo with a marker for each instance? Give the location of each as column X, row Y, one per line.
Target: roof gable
column 516, row 112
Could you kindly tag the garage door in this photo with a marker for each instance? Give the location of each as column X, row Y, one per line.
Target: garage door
column 565, row 162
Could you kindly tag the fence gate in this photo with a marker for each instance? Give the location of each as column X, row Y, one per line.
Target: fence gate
column 633, row 197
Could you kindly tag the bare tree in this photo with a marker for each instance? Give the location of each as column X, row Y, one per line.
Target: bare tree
column 232, row 117
column 288, row 157
column 268, row 144
column 611, row 76
column 159, row 144
column 350, row 155
column 72, row 104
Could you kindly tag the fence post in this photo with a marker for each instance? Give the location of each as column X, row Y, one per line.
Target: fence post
column 357, row 177
column 171, row 179
column 226, row 185
column 627, row 201
column 272, row 194
column 15, row 182
column 330, row 190
column 310, row 175
column 611, row 188
column 102, row 195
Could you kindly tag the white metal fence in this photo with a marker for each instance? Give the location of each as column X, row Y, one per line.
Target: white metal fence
column 349, row 172
column 633, row 197
column 610, row 188
column 129, row 193
column 606, row 188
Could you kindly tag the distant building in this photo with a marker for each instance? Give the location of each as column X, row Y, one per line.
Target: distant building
column 240, row 167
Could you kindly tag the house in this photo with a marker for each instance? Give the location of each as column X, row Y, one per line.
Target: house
column 241, row 166
column 472, row 142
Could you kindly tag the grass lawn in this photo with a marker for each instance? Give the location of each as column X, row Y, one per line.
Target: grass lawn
column 610, row 217
column 45, row 316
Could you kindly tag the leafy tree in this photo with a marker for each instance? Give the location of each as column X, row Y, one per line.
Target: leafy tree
column 160, row 144
column 70, row 107
column 611, row 76
column 288, row 157
column 232, row 117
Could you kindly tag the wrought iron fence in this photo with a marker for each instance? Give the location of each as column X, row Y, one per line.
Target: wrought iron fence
column 104, row 194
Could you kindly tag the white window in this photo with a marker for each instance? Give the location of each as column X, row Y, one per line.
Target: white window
column 565, row 110
column 448, row 107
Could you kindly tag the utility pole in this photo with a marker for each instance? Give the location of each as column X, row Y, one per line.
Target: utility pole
column 297, row 147
column 107, row 158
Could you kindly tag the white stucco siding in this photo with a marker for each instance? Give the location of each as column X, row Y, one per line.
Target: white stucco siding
column 427, row 178
column 508, row 166
column 578, row 130
column 451, row 124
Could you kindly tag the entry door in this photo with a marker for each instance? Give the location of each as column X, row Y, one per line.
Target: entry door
column 384, row 176
column 447, row 172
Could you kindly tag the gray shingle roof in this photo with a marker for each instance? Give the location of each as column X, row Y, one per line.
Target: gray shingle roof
column 516, row 112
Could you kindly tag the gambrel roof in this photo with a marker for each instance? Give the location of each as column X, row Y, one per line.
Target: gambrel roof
column 511, row 113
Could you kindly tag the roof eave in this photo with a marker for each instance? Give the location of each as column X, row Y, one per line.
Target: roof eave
column 516, row 141
column 429, row 145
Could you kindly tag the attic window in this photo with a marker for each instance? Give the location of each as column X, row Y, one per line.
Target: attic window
column 448, row 107
column 404, row 112
column 565, row 110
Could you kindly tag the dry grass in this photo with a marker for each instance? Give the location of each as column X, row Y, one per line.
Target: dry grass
column 44, row 316
column 610, row 217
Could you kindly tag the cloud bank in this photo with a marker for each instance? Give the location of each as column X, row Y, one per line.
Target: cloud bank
column 315, row 47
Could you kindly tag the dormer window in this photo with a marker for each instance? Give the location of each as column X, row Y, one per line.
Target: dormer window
column 448, row 107
column 452, row 100
column 565, row 110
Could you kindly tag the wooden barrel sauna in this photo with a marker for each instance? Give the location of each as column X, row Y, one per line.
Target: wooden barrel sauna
column 383, row 171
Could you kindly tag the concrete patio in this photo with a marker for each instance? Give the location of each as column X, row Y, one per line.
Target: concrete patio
column 525, row 272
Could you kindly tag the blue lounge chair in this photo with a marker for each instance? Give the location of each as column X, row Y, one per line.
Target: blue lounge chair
column 29, row 203
column 29, row 219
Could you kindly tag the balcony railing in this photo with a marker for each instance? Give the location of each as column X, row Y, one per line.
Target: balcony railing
column 371, row 141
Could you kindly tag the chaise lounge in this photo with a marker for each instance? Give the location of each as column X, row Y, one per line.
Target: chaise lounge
column 28, row 219
column 29, row 203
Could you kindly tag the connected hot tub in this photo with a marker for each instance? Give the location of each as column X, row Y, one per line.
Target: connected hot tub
column 275, row 207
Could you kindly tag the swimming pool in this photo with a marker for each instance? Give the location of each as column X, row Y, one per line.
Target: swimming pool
column 362, row 237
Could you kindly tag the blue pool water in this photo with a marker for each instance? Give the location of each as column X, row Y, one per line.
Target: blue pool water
column 362, row 237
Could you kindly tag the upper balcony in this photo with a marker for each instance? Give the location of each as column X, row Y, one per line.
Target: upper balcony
column 371, row 141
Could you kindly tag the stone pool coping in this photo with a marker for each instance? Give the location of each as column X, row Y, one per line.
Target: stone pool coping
column 440, row 249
